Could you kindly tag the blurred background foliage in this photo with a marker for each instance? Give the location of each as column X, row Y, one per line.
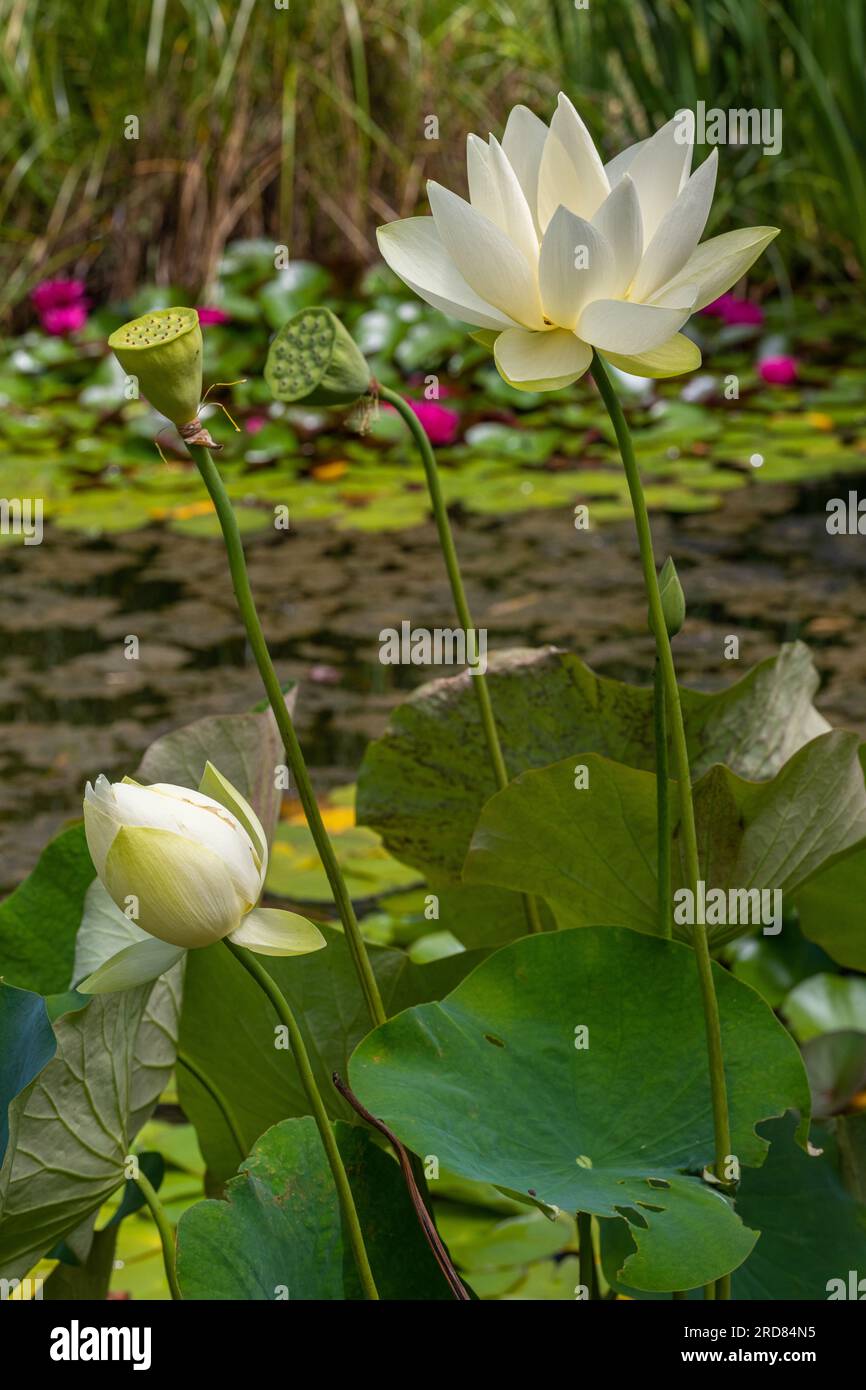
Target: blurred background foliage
column 306, row 124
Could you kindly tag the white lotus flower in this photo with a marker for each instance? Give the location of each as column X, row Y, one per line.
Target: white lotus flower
column 556, row 253
column 188, row 867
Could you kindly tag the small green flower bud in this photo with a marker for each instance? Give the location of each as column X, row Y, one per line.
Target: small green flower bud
column 314, row 359
column 164, row 350
column 673, row 598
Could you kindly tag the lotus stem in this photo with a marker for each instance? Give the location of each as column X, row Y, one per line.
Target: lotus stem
column 166, row 1233
column 700, row 942
column 663, row 814
column 249, row 615
column 586, row 1256
column 252, row 965
column 452, row 565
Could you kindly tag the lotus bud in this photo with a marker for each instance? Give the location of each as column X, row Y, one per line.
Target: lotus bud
column 163, row 350
column 673, row 598
column 187, row 864
column 314, row 359
column 186, row 869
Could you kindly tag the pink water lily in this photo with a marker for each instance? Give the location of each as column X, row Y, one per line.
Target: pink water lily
column 735, row 311
column 61, row 306
column 778, row 371
column 441, row 425
column 556, row 253
column 212, row 316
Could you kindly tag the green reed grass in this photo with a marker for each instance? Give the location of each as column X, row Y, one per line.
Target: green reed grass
column 306, row 125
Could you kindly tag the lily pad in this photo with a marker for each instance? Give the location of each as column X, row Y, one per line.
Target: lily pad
column 295, row 869
column 502, row 1084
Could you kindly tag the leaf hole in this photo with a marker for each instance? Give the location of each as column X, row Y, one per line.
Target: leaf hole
column 634, row 1218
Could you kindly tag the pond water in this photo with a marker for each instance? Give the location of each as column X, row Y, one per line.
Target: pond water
column 72, row 703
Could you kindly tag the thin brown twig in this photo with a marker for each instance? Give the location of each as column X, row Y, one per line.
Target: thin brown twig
column 425, row 1221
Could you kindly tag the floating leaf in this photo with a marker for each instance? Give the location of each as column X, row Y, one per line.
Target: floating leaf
column 295, row 869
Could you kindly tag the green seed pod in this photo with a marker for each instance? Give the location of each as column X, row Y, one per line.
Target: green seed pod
column 314, row 359
column 673, row 598
column 163, row 350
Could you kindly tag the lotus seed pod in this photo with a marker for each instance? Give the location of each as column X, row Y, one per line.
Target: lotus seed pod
column 164, row 351
column 314, row 359
column 673, row 598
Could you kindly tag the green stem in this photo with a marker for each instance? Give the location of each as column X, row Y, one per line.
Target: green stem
column 302, row 1061
column 663, row 812
column 718, row 1090
column 246, row 604
column 218, row 1099
column 452, row 565
column 586, row 1257
column 166, row 1234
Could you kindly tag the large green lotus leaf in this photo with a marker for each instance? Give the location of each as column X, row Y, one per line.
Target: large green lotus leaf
column 591, row 851
column 494, row 1082
column 422, row 785
column 26, row 1046
column 71, row 1129
column 246, row 748
column 227, row 1031
column 280, row 1234
column 39, row 920
column 851, row 1139
column 89, row 1280
column 831, row 910
column 812, row 1230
